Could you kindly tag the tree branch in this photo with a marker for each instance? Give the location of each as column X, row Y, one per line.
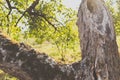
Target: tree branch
column 14, row 70
column 26, row 60
column 20, row 18
column 32, row 6
column 50, row 23
column 10, row 9
column 9, row 5
column 30, row 10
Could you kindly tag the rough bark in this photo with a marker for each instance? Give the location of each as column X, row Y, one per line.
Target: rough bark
column 98, row 41
column 100, row 59
column 22, row 61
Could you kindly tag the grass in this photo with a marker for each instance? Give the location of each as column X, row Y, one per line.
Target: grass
column 67, row 56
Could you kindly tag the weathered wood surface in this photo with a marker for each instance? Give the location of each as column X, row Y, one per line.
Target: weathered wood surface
column 98, row 41
column 100, row 59
column 35, row 65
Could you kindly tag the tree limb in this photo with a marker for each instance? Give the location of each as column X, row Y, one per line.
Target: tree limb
column 38, row 66
column 14, row 70
column 11, row 8
column 30, row 10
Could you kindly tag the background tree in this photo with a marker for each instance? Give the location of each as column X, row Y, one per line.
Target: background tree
column 37, row 22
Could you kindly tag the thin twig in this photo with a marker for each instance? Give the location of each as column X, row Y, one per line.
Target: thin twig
column 20, row 18
column 8, row 3
column 29, row 10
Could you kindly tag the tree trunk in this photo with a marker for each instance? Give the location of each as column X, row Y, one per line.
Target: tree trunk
column 100, row 59
column 98, row 42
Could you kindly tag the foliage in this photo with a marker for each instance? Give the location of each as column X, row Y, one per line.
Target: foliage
column 39, row 21
column 36, row 22
column 115, row 11
column 118, row 42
